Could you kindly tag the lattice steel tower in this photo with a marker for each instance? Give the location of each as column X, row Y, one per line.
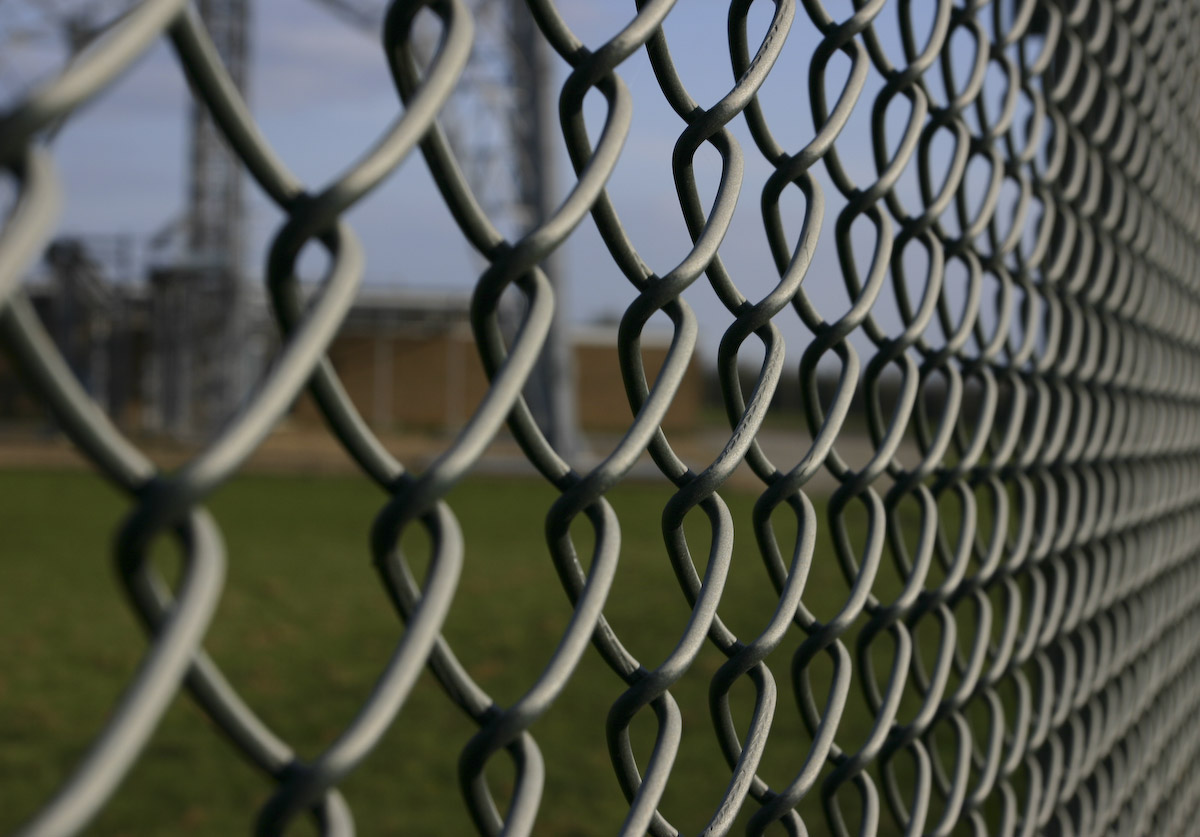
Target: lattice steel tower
column 217, row 222
column 500, row 123
column 202, row 309
column 551, row 388
column 202, row 314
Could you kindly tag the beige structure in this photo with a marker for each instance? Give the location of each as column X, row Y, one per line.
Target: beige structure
column 406, row 358
column 410, row 362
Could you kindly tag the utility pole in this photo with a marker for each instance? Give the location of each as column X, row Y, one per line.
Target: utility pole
column 202, row 322
column 551, row 389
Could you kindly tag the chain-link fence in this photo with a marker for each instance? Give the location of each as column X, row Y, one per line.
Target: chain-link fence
column 1029, row 310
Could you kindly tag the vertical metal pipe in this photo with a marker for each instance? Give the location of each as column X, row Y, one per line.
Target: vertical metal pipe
column 551, row 390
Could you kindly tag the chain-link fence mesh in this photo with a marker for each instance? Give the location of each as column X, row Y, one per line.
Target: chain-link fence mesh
column 1029, row 311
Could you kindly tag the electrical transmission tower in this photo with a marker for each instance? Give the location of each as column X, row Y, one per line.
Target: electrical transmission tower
column 202, row 310
column 500, row 124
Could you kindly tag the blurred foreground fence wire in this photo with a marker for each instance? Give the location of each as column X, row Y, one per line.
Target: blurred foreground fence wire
column 1057, row 413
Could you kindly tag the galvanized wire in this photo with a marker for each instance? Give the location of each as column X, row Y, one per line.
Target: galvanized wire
column 1048, row 368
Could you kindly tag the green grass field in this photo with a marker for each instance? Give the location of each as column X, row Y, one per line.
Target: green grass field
column 304, row 627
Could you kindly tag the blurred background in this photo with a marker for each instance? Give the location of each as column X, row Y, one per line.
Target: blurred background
column 154, row 286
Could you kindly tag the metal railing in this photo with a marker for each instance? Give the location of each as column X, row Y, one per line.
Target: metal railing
column 1048, row 369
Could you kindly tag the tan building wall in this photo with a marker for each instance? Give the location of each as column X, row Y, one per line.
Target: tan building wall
column 603, row 404
column 435, row 381
column 406, row 361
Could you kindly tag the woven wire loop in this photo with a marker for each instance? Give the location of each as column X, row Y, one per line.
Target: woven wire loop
column 1034, row 468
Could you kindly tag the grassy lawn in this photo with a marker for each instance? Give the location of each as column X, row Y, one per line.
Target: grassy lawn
column 304, row 628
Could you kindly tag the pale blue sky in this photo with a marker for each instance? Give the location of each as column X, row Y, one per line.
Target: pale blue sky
column 321, row 93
